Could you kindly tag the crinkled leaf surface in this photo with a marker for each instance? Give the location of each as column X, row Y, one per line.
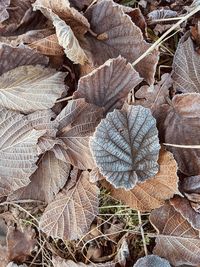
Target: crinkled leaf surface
column 109, row 20
column 125, row 146
column 153, row 192
column 151, row 261
column 31, row 88
column 77, row 122
column 69, row 216
column 177, row 241
column 180, row 126
column 18, row 150
column 46, row 182
column 12, row 57
column 108, row 85
column 186, row 67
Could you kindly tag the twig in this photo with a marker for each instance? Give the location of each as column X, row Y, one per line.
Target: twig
column 142, row 233
column 157, row 43
column 183, row 146
column 64, row 99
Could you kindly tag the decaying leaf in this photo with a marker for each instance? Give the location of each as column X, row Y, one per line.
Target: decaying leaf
column 20, row 244
column 46, row 182
column 180, row 126
column 154, row 95
column 77, row 122
column 161, row 14
column 18, row 150
column 125, row 146
column 152, row 261
column 69, row 216
column 12, row 57
column 36, row 89
column 104, row 86
column 78, row 23
column 80, row 4
column 177, row 241
column 186, row 69
column 109, row 20
column 4, row 15
column 3, row 256
column 12, row 264
column 153, row 192
column 182, row 205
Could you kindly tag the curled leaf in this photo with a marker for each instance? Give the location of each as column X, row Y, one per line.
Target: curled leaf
column 30, row 92
column 104, row 86
column 125, row 146
column 69, row 216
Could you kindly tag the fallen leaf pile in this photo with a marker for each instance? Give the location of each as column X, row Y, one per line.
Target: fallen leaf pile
column 84, row 107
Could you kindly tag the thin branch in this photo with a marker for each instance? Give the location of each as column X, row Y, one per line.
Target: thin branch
column 142, row 233
column 64, row 99
column 183, row 146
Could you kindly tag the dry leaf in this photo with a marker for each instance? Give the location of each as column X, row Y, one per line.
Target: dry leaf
column 162, row 14
column 19, row 56
column 20, row 244
column 4, row 15
column 18, row 150
column 12, row 264
column 3, row 256
column 36, row 89
column 182, row 205
column 77, row 122
column 154, row 95
column 46, row 182
column 152, row 261
column 180, row 126
column 80, row 4
column 78, row 23
column 108, row 19
column 186, row 69
column 70, row 215
column 125, row 146
column 66, row 38
column 104, row 86
column 153, row 192
column 177, row 241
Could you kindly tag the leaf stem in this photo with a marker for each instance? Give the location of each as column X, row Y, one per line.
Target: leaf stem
column 157, row 43
column 142, row 233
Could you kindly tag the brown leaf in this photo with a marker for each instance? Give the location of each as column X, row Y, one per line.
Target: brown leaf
column 69, row 216
column 151, row 261
column 19, row 56
column 18, row 150
column 154, row 95
column 186, row 67
column 153, row 192
column 125, row 146
column 77, row 122
column 78, row 23
column 4, row 15
column 37, row 89
column 3, row 256
column 104, row 86
column 20, row 244
column 80, row 4
column 176, row 241
column 47, row 180
column 182, row 118
column 182, row 205
column 108, row 19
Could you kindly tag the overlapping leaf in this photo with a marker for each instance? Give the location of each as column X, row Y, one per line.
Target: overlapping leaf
column 152, row 261
column 19, row 56
column 4, row 15
column 69, row 216
column 18, row 150
column 182, row 118
column 177, row 241
column 186, row 67
column 125, row 146
column 77, row 122
column 46, row 182
column 108, row 21
column 104, row 86
column 153, row 192
column 36, row 89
